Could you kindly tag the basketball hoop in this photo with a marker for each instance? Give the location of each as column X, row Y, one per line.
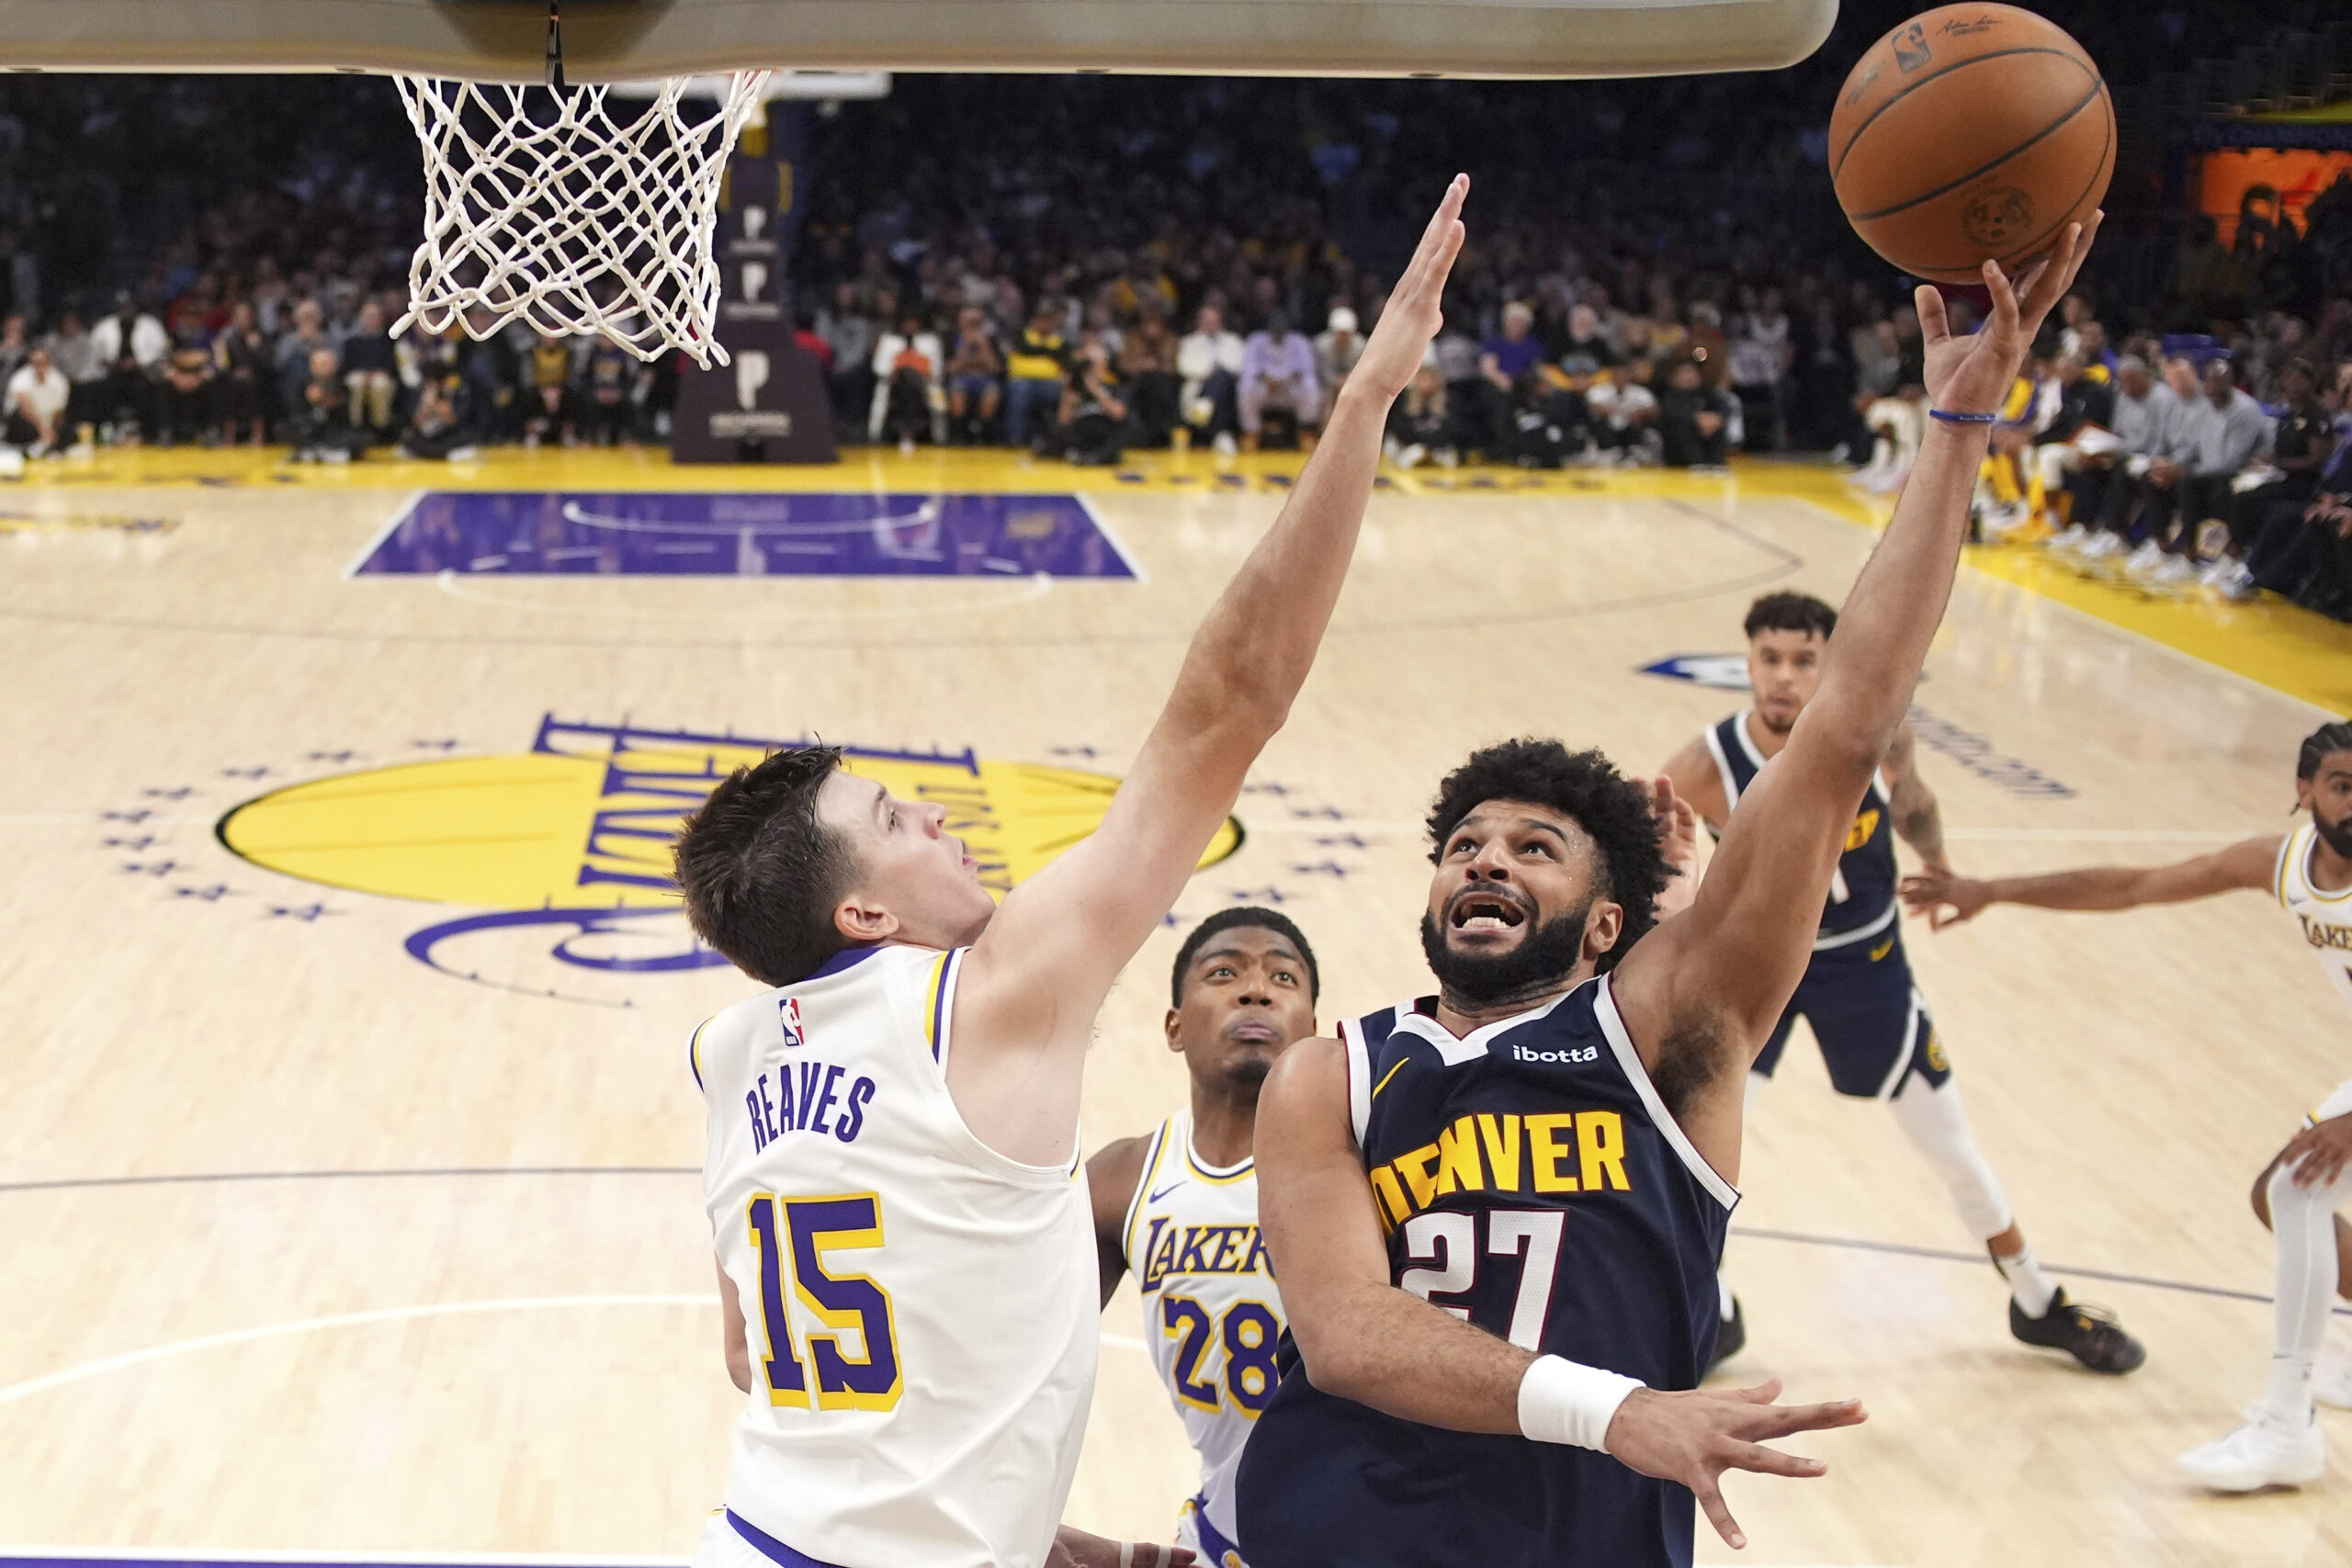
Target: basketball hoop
column 573, row 211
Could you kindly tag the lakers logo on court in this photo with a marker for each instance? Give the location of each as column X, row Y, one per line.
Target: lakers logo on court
column 563, row 850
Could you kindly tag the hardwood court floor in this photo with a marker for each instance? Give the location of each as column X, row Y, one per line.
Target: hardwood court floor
column 359, row 1213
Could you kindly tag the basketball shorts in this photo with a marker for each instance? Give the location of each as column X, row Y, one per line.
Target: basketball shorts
column 1869, row 1017
column 1195, row 1534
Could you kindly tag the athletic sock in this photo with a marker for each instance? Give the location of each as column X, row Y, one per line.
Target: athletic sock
column 2028, row 1283
column 2304, row 1224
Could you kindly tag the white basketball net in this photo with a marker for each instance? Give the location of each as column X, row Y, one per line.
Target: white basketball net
column 553, row 209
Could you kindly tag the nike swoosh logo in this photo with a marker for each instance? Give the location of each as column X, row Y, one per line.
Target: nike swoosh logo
column 1164, row 1192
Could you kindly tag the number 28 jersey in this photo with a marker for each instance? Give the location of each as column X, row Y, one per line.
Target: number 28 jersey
column 920, row 1311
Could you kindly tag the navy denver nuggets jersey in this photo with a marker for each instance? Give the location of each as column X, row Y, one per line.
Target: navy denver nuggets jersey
column 1861, row 894
column 1531, row 1181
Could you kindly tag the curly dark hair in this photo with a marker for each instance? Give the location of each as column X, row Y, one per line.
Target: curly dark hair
column 1791, row 612
column 1613, row 809
column 759, row 873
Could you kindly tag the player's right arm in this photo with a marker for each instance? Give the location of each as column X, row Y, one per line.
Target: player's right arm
column 1946, row 900
column 1111, row 1178
column 738, row 1347
column 1028, row 992
column 1701, row 993
column 1359, row 1338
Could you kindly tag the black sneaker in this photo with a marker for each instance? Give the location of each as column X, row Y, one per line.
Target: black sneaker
column 1731, row 1337
column 2089, row 1334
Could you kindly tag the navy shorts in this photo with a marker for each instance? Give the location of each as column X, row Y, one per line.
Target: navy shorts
column 1873, row 1028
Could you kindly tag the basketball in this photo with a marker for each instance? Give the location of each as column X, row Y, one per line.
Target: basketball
column 1971, row 133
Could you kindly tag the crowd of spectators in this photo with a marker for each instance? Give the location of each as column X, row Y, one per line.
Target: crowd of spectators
column 1081, row 266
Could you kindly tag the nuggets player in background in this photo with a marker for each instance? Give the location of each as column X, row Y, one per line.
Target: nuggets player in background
column 1496, row 1213
column 1178, row 1207
column 904, row 1239
column 2298, row 1193
column 1857, row 996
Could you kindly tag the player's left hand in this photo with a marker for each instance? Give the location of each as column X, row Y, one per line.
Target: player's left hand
column 1677, row 839
column 1943, row 899
column 2322, row 1149
column 1075, row 1548
column 1974, row 373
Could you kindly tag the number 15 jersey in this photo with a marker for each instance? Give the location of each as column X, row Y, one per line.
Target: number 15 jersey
column 920, row 1311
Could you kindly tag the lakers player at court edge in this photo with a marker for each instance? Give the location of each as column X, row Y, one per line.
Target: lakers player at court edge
column 2310, row 873
column 1857, row 996
column 904, row 1238
column 1497, row 1212
column 1178, row 1207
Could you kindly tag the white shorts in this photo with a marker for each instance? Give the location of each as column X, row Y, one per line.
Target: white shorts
column 1188, row 1535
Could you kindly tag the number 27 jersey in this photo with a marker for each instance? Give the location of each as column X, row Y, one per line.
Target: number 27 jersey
column 920, row 1311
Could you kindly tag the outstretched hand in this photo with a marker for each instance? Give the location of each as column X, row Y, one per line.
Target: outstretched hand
column 1414, row 311
column 1974, row 373
column 1075, row 1548
column 1942, row 898
column 1693, row 1436
column 1677, row 821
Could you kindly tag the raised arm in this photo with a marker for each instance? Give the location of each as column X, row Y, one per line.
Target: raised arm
column 1362, row 1338
column 1700, row 992
column 1026, row 1000
column 1111, row 1178
column 1946, row 900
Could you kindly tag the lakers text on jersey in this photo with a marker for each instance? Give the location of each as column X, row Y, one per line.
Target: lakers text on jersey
column 920, row 1311
column 1212, row 1317
column 1532, row 1182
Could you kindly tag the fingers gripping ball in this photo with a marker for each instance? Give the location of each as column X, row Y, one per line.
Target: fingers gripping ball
column 1971, row 133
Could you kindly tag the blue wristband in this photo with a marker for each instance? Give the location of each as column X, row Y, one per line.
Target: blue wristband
column 1950, row 418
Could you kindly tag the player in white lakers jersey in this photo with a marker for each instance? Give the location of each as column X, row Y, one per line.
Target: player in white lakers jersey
column 2309, row 871
column 1178, row 1207
column 901, row 1223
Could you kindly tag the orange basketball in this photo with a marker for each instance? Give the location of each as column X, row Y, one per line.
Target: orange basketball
column 1969, row 133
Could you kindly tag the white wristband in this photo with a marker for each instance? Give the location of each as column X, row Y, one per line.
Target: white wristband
column 1562, row 1401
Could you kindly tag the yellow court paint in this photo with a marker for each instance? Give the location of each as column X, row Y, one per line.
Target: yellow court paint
column 551, row 827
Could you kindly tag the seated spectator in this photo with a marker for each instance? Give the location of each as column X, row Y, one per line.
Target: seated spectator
column 551, row 405
column 322, row 429
column 241, row 367
column 2301, row 448
column 909, row 401
column 1760, row 356
column 1421, row 424
column 1626, row 411
column 2219, row 432
column 2147, row 411
column 130, row 331
column 974, row 366
column 604, row 406
column 1502, row 360
column 1278, row 372
column 2083, row 421
column 37, row 396
column 14, row 345
column 185, row 400
column 850, row 331
column 1210, row 360
column 1092, row 427
column 1588, row 339
column 372, row 370
column 2308, row 557
column 294, row 350
column 1147, row 369
column 1456, row 357
column 492, row 373
column 1694, row 419
column 1337, row 348
column 436, row 431
column 76, row 358
column 1033, row 369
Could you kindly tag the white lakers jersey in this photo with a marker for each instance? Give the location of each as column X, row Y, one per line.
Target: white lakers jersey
column 1211, row 1313
column 2325, row 917
column 921, row 1312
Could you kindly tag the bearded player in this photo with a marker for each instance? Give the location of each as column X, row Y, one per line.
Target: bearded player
column 903, row 1231
column 1497, row 1212
column 2298, row 1194
column 1857, row 997
column 1178, row 1207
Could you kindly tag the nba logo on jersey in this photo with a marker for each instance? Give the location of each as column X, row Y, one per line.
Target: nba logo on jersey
column 788, row 1016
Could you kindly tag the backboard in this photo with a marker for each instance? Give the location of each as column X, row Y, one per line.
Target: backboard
column 608, row 41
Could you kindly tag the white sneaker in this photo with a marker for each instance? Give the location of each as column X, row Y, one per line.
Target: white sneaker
column 2333, row 1387
column 2147, row 558
column 2266, row 1451
column 2000, row 522
column 2072, row 537
column 1412, row 456
column 2170, row 572
column 1225, row 445
column 2235, row 582
column 2102, row 546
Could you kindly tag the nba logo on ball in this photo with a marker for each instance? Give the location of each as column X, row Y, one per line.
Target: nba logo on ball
column 788, row 1016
